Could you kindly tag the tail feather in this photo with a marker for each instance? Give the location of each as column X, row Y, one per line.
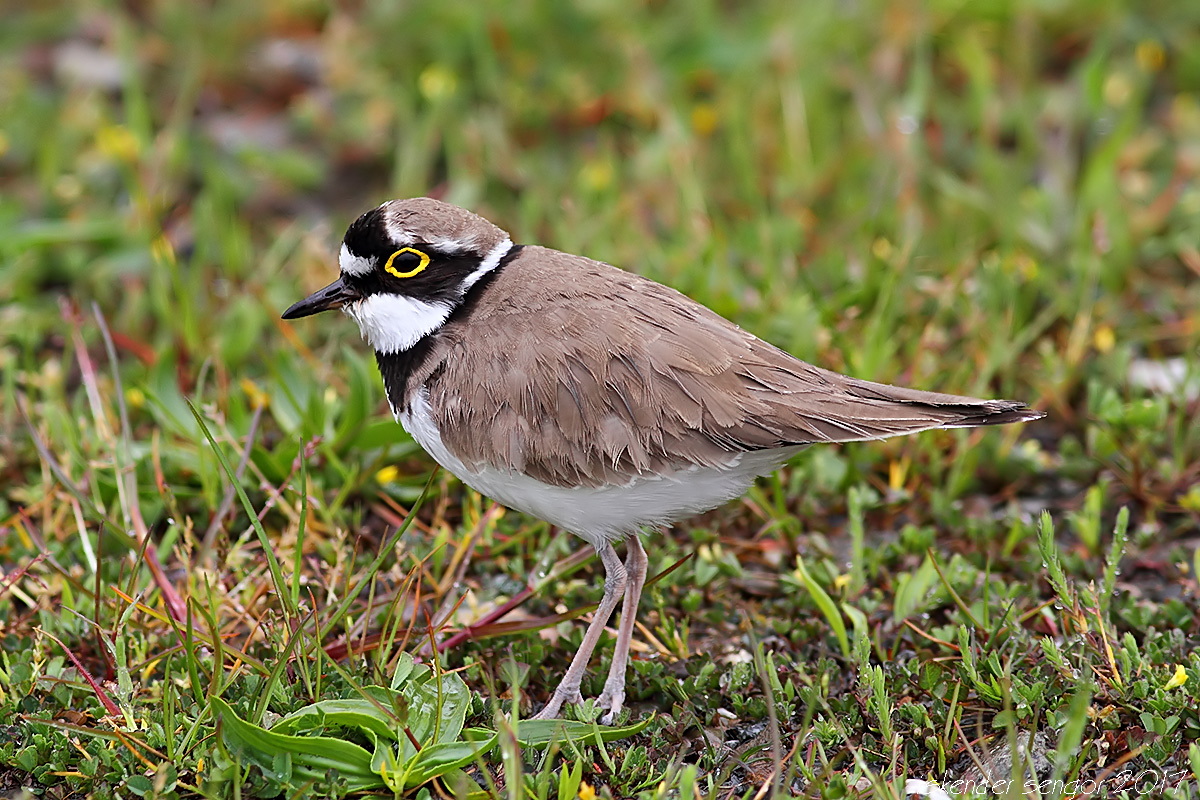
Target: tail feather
column 837, row 408
column 936, row 409
column 995, row 412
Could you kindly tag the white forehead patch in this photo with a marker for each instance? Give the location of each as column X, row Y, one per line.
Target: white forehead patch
column 392, row 323
column 396, row 232
column 352, row 264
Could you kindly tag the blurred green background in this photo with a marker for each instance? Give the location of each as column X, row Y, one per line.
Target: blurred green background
column 988, row 198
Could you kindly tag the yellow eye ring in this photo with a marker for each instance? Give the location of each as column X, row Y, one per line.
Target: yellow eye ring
column 418, row 268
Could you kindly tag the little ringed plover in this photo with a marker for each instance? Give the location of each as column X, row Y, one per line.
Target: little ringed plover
column 590, row 397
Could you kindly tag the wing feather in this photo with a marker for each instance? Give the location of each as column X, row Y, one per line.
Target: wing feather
column 615, row 377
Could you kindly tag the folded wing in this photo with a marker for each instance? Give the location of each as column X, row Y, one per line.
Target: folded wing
column 607, row 376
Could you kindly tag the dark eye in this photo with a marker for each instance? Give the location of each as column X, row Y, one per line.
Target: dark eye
column 406, row 262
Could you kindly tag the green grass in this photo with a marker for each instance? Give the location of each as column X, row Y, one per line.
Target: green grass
column 996, row 199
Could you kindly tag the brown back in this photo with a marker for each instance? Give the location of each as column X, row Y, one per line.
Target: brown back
column 581, row 374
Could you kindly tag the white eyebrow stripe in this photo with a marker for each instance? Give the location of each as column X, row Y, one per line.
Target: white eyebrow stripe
column 351, row 264
column 402, row 237
column 489, row 263
column 451, row 245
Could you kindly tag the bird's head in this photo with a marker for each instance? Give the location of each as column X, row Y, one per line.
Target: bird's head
column 405, row 267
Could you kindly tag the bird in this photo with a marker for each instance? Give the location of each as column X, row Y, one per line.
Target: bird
column 593, row 398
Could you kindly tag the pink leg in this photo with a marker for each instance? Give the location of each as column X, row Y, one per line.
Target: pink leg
column 613, row 695
column 614, row 586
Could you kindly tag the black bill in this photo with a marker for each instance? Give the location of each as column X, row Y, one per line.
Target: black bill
column 332, row 296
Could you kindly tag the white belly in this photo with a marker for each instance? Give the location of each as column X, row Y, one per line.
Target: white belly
column 604, row 513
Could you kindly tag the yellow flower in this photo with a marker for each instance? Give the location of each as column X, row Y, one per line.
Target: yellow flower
column 597, row 175
column 898, row 473
column 704, row 119
column 586, row 792
column 437, row 82
column 1104, row 339
column 258, row 398
column 118, row 143
column 1178, row 679
column 387, row 474
column 881, row 248
column 1150, row 56
column 1027, row 267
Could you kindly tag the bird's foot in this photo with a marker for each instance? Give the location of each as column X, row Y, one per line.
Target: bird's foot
column 611, row 700
column 553, row 707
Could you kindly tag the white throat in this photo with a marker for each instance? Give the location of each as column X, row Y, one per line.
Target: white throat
column 392, row 323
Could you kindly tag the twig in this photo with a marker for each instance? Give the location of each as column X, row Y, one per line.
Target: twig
column 10, row 580
column 531, row 587
column 105, row 700
column 129, row 470
column 126, row 472
column 61, row 475
column 214, row 526
column 448, row 602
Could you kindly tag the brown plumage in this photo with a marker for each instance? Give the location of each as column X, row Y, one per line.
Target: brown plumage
column 591, row 375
